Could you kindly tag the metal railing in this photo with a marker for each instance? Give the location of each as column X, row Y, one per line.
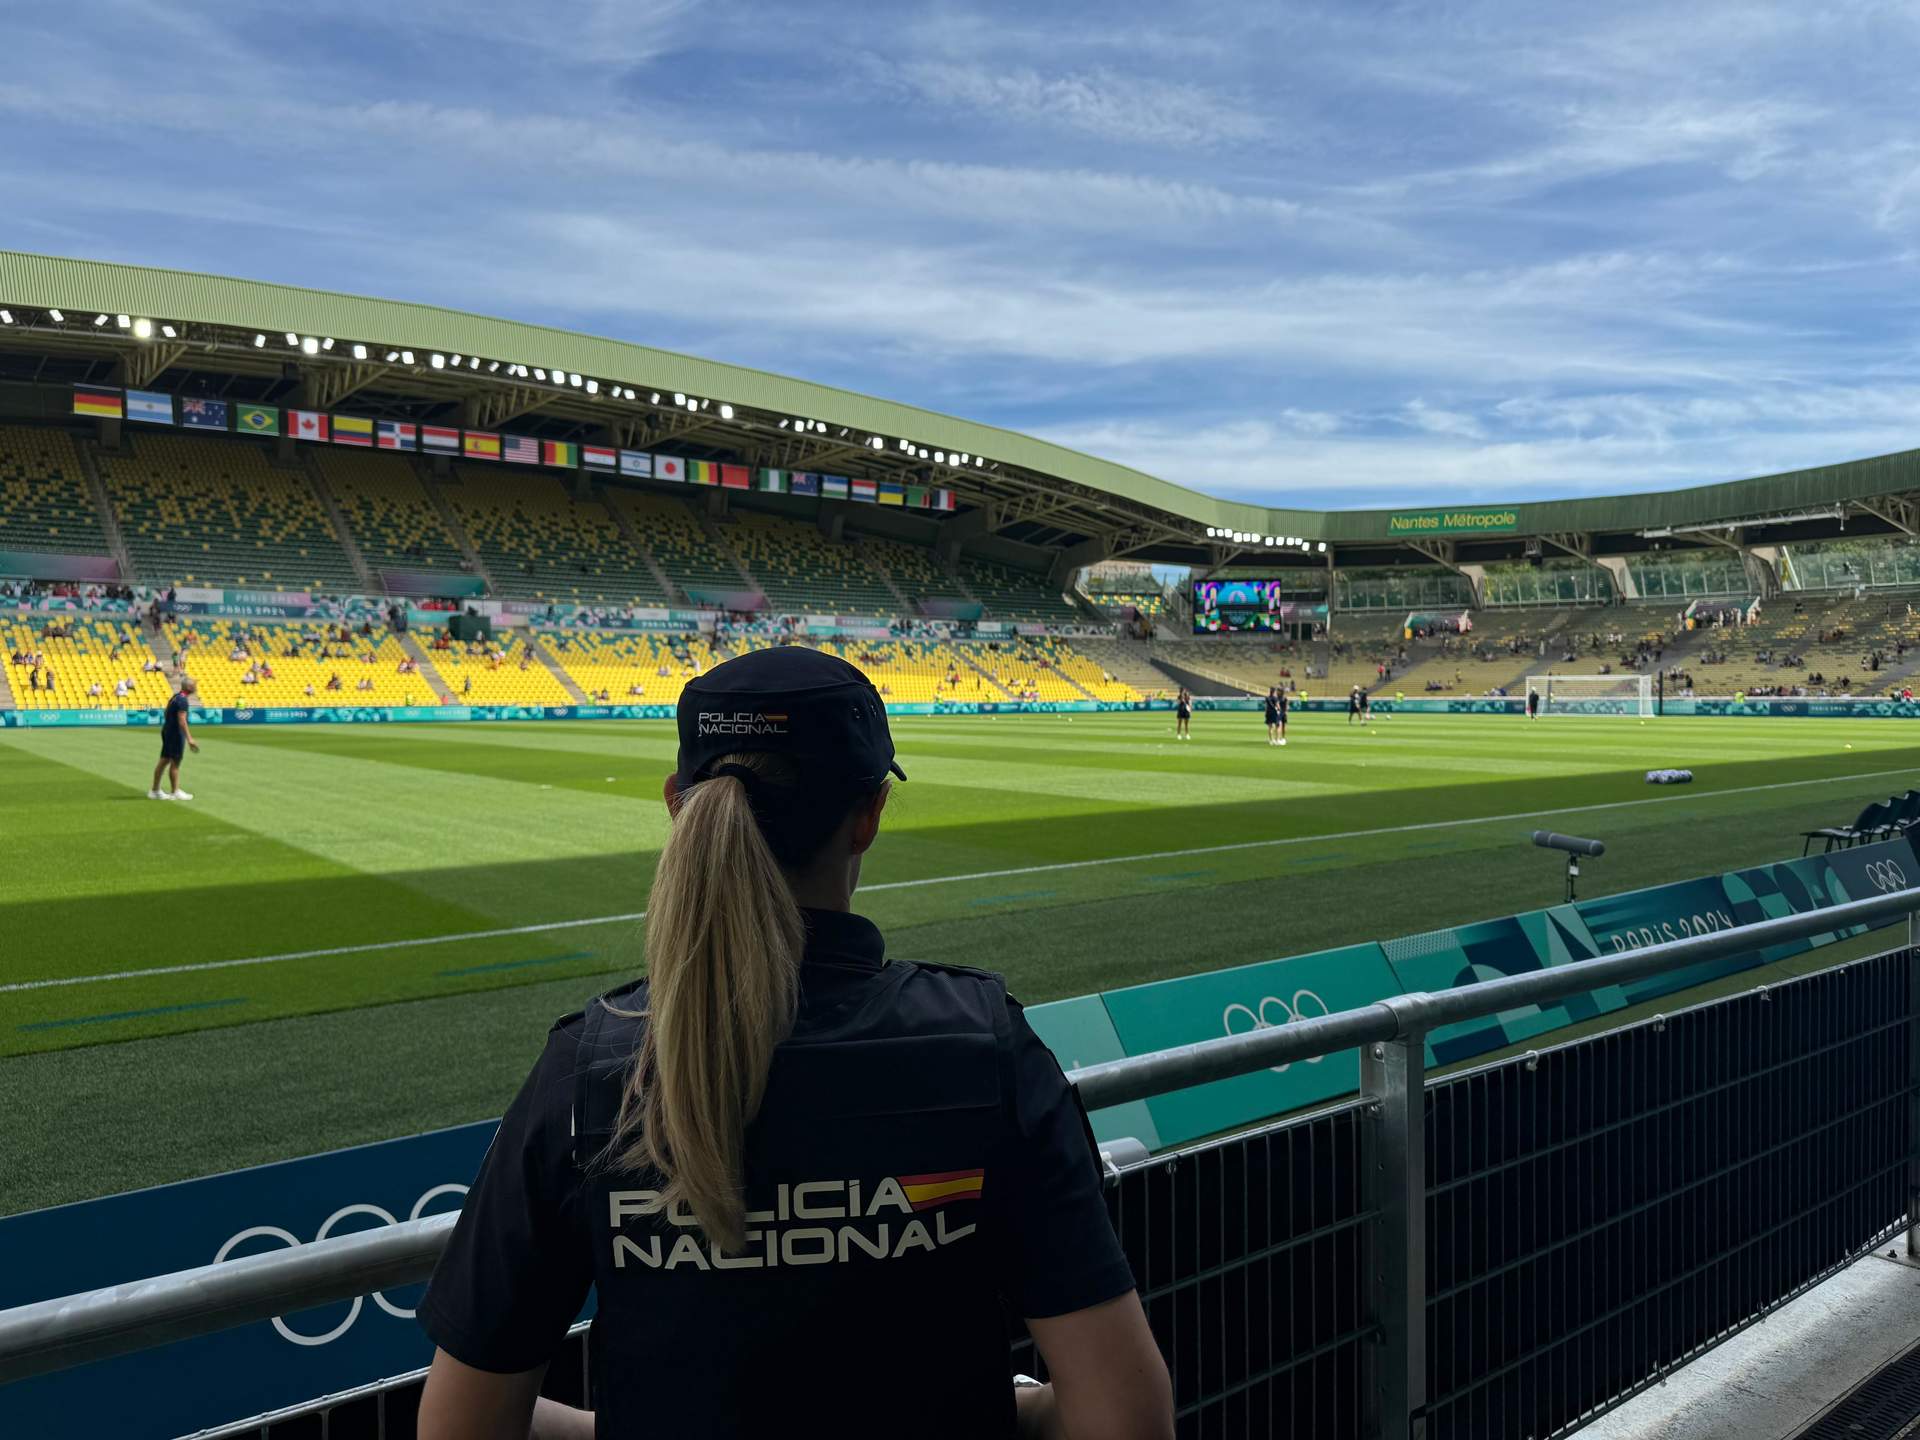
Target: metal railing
column 1363, row 1201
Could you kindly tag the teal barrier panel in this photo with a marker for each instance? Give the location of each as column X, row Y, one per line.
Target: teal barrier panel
column 1079, row 1032
column 1249, row 997
column 1488, row 950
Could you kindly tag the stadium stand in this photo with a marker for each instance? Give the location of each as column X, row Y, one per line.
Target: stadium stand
column 217, row 512
column 76, row 654
column 510, row 671
column 1247, row 663
column 540, row 543
column 677, row 540
column 915, row 573
column 803, row 572
column 292, row 663
column 628, row 666
column 918, row 671
column 44, row 500
column 1127, row 661
column 1015, row 595
column 393, row 521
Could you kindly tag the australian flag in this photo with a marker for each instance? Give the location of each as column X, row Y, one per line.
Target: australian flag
column 203, row 414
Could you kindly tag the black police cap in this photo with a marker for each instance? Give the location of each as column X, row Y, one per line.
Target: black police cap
column 791, row 700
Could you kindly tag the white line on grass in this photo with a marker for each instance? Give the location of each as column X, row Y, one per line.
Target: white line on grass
column 953, row 880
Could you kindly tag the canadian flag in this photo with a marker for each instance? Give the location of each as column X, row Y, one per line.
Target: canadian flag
column 306, row 424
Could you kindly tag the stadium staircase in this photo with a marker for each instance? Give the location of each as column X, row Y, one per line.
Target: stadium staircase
column 871, row 555
column 675, row 595
column 331, row 504
column 450, row 517
column 1200, row 682
column 423, row 659
column 6, row 690
column 109, row 521
column 545, row 657
column 969, row 653
column 718, row 539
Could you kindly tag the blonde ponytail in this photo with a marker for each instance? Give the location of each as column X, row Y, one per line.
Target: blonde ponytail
column 723, row 947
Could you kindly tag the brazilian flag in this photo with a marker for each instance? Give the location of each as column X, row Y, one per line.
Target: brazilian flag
column 257, row 420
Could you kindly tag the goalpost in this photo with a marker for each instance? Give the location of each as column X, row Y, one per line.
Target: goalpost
column 1593, row 694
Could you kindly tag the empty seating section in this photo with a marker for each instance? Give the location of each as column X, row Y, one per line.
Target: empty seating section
column 1058, row 659
column 507, row 671
column 803, row 572
column 1015, row 595
column 284, row 658
column 1127, row 661
column 1826, row 644
column 677, row 540
column 916, row 672
column 629, row 668
column 216, row 512
column 393, row 521
column 539, row 543
column 1254, row 664
column 44, row 504
column 913, row 569
column 83, row 652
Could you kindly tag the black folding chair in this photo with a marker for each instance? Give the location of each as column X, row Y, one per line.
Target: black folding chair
column 1870, row 824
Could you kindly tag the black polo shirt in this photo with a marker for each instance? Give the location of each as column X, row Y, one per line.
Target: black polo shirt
column 920, row 1172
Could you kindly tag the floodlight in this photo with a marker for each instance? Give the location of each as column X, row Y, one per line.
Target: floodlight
column 359, row 352
column 327, row 344
column 122, row 321
column 406, row 357
column 168, row 331
column 439, row 361
column 309, row 346
column 6, row 317
column 593, row 387
column 258, row 341
column 726, row 412
column 143, row 329
column 292, row 339
column 56, row 317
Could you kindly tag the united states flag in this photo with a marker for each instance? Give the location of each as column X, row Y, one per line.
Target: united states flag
column 520, row 449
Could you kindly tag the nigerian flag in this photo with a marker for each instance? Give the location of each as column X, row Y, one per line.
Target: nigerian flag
column 774, row 481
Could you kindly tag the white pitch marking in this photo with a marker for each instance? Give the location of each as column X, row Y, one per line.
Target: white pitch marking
column 956, row 879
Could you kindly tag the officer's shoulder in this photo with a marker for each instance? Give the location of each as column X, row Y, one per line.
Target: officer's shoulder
column 628, row 997
column 962, row 973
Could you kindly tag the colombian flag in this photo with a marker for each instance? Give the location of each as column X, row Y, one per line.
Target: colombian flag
column 353, row 430
column 482, row 445
column 93, row 400
column 927, row 1192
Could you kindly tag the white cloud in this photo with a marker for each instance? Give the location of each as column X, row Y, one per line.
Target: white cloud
column 1131, row 109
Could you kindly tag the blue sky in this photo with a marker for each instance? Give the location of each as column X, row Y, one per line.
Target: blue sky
column 1327, row 255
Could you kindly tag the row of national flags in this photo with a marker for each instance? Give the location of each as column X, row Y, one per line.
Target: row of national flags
column 154, row 407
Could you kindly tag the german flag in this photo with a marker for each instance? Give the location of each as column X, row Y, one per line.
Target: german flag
column 928, row 1192
column 95, row 400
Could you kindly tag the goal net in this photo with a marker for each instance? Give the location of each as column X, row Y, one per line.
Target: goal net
column 1593, row 694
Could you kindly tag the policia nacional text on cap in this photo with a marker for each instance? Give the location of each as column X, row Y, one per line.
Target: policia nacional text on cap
column 806, row 1185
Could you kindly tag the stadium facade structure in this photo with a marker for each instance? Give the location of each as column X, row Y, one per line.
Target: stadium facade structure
column 1020, row 500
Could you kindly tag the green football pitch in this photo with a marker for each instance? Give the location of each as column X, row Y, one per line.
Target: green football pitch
column 352, row 933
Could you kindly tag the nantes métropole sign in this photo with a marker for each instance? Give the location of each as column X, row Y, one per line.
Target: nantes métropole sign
column 1452, row 522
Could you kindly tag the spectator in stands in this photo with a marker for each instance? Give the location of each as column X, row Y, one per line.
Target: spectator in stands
column 333, row 681
column 94, row 691
column 666, row 1140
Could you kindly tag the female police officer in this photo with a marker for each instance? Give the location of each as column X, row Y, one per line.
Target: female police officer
column 804, row 1182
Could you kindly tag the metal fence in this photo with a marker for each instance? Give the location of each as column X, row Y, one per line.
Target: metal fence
column 1504, row 1252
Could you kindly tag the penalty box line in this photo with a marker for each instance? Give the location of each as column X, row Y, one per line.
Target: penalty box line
column 637, row 915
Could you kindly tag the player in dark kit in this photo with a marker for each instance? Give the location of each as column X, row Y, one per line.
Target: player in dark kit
column 1353, row 704
column 1533, row 704
column 1281, row 714
column 176, row 738
column 1183, row 714
column 1273, row 716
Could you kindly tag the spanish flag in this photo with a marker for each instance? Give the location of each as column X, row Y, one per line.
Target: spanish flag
column 481, row 445
column 927, row 1192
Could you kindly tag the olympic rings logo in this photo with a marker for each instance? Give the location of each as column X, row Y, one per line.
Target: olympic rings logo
column 292, row 1242
column 1886, row 875
column 1273, row 1012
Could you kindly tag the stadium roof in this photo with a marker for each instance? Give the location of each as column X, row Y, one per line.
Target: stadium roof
column 1010, row 485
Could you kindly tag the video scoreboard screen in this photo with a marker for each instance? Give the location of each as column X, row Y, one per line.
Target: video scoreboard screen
column 1221, row 605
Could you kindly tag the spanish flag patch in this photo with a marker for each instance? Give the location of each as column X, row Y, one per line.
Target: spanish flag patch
column 926, row 1192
